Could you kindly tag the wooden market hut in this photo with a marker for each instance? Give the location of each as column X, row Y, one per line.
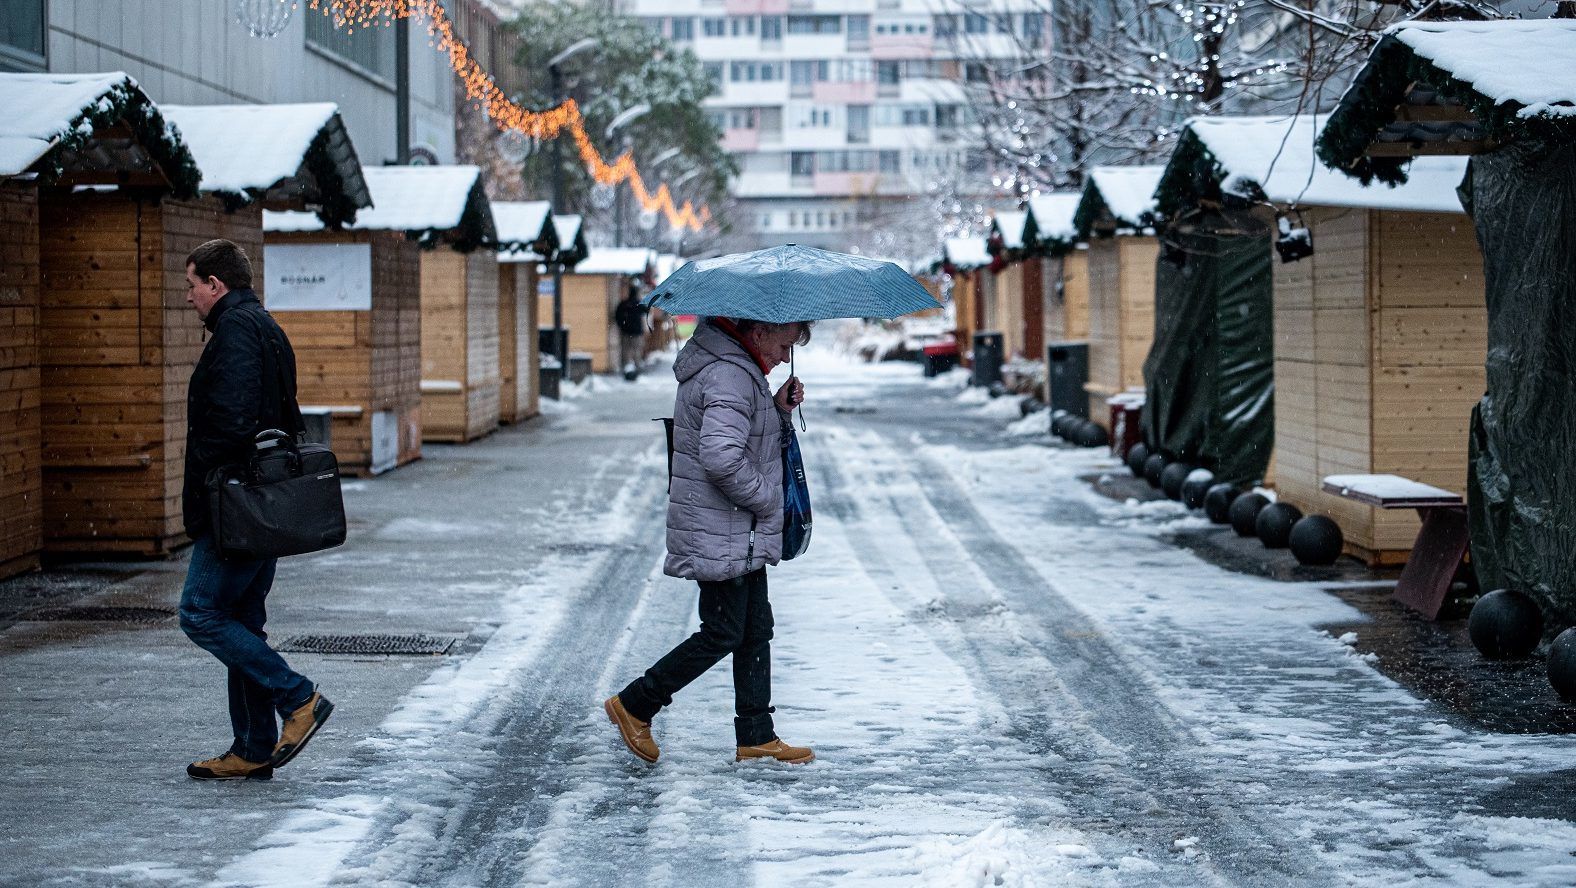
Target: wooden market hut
column 118, row 210
column 593, row 291
column 1016, row 307
column 525, row 235
column 1064, row 267
column 1501, row 92
column 449, row 318
column 1114, row 217
column 962, row 259
column 1378, row 334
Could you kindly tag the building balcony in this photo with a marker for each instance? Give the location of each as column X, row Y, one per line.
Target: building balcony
column 845, row 92
column 741, row 139
column 755, row 7
column 901, row 46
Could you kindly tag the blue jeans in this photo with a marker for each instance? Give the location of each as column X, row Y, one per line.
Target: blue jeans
column 222, row 611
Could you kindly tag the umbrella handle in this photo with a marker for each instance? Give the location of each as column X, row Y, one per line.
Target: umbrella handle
column 803, row 427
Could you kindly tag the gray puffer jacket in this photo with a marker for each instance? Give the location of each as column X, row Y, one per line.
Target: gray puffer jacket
column 727, row 463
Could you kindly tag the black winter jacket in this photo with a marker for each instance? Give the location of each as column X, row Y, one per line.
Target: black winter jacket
column 230, row 398
column 630, row 316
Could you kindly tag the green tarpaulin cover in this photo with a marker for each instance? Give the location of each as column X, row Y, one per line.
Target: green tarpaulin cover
column 1521, row 486
column 1210, row 374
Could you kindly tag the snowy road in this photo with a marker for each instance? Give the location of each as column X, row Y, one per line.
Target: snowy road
column 1008, row 680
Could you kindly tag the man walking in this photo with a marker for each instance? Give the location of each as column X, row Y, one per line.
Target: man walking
column 244, row 383
column 630, row 316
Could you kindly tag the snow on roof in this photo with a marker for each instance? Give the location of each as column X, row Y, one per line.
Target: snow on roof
column 404, row 198
column 568, row 228
column 40, row 109
column 1011, row 224
column 520, row 221
column 1527, row 62
column 249, row 148
column 1128, row 191
column 1275, row 156
column 1053, row 215
column 965, row 253
column 617, row 260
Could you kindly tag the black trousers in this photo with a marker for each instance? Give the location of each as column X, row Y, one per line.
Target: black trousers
column 735, row 618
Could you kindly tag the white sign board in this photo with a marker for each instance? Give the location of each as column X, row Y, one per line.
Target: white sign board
column 318, row 277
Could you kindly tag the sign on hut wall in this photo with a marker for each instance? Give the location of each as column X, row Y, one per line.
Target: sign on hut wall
column 318, row 277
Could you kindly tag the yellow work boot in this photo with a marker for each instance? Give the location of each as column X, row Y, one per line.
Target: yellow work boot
column 299, row 727
column 229, row 767
column 776, row 749
column 636, row 733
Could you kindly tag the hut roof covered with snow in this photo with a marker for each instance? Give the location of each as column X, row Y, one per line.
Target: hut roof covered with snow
column 1117, row 199
column 525, row 226
column 1453, row 88
column 286, row 157
column 87, row 129
column 636, row 261
column 431, row 204
column 1243, row 161
column 1052, row 217
column 965, row 253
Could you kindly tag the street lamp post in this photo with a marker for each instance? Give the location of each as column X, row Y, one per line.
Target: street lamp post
column 555, row 72
column 634, row 112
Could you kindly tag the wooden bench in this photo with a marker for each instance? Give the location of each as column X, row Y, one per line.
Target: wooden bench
column 1441, row 543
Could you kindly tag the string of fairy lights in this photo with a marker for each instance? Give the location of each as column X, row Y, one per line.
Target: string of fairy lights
column 505, row 112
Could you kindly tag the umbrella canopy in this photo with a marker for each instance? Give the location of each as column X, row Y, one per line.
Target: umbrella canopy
column 791, row 283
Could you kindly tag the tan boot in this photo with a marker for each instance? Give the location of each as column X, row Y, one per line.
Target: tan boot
column 636, row 733
column 229, row 767
column 299, row 727
column 793, row 755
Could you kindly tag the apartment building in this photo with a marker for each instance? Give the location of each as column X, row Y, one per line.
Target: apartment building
column 843, row 113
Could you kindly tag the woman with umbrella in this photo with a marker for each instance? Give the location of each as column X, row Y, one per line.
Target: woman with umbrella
column 725, row 501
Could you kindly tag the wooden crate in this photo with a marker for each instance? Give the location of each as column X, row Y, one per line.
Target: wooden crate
column 118, row 345
column 519, row 398
column 364, row 366
column 459, row 344
column 1121, row 282
column 1379, row 346
column 21, row 476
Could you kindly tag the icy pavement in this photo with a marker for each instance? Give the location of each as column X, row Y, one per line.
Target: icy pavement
column 1008, row 680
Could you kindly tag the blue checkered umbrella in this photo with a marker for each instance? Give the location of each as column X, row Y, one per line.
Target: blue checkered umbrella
column 791, row 283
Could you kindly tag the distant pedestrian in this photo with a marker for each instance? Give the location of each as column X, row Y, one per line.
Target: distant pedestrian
column 630, row 316
column 725, row 523
column 239, row 388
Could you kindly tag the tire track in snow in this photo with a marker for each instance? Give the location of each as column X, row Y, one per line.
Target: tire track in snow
column 1127, row 759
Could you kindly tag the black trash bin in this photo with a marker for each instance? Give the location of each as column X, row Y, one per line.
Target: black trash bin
column 1067, row 370
column 549, row 376
column 547, row 345
column 988, row 348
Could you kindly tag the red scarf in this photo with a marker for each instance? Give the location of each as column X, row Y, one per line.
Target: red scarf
column 733, row 331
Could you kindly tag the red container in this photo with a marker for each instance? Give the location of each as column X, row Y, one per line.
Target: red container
column 1126, row 427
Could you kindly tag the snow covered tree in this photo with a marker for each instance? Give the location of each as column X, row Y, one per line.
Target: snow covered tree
column 630, row 66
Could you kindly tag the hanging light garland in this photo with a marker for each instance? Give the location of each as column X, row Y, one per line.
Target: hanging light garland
column 507, row 114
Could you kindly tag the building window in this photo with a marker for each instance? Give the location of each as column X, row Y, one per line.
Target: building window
column 887, row 161
column 742, row 25
column 815, row 24
column 22, row 35
column 771, row 27
column 714, row 27
column 683, row 29
column 945, row 25
column 975, row 23
column 368, row 49
column 1034, row 28
column 714, row 71
column 948, row 116
column 718, row 119
column 888, row 73
column 976, row 72
column 802, row 163
column 858, row 29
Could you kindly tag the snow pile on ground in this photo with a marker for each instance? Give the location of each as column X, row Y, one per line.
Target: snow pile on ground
column 1035, row 425
column 1003, row 408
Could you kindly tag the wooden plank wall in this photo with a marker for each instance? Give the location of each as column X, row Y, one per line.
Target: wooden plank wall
column 119, row 344
column 1008, row 309
column 1380, row 339
column 1034, row 308
column 1429, row 341
column 21, row 476
column 965, row 311
column 1075, row 294
column 1138, row 256
column 509, row 368
column 1105, row 324
column 588, row 316
column 459, row 345
column 529, row 320
column 362, row 359
column 481, row 316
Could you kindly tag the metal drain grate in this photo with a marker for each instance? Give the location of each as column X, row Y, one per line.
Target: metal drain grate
column 86, row 614
column 410, row 645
